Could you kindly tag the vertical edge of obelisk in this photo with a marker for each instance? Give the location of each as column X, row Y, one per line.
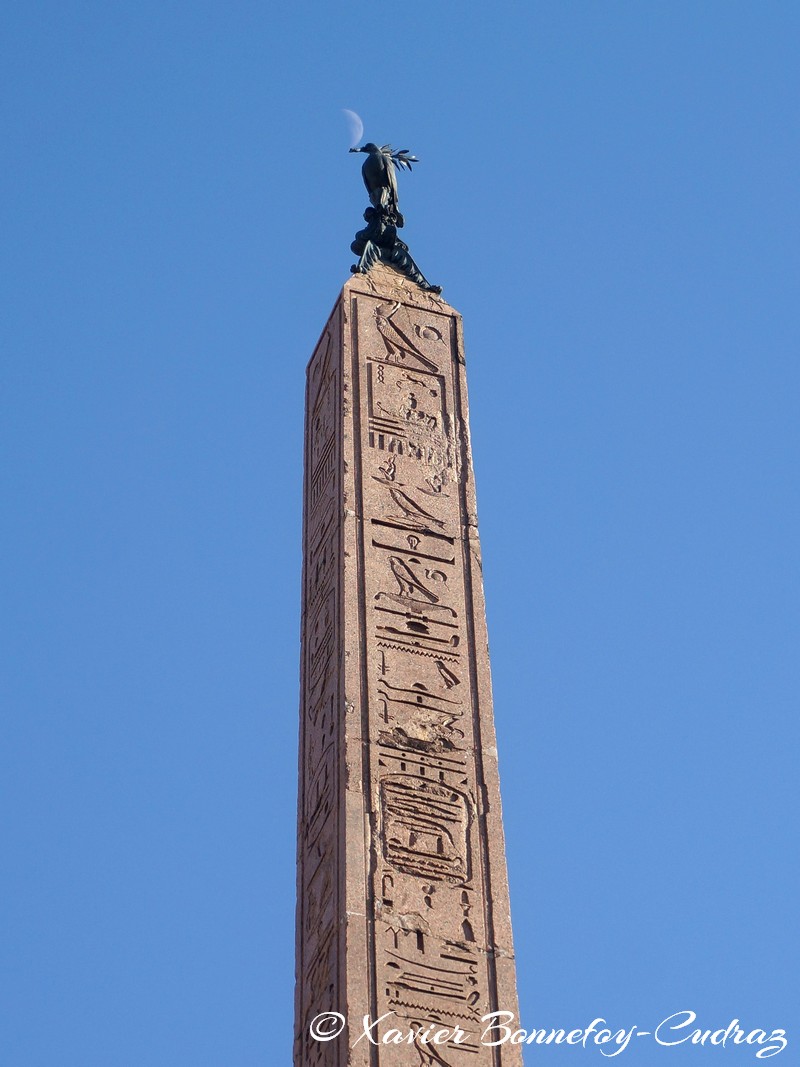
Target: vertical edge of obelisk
column 318, row 863
column 498, row 904
column 358, row 816
column 297, row 1044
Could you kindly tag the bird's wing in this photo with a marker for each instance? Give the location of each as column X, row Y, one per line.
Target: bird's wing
column 388, row 176
column 392, row 182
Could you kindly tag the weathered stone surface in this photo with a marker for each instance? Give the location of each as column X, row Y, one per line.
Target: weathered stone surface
column 402, row 889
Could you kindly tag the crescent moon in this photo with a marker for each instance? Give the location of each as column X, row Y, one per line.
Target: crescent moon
column 355, row 124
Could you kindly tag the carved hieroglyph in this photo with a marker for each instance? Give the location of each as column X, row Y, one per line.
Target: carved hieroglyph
column 402, row 890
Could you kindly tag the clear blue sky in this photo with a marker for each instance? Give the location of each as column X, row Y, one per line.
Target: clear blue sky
column 608, row 192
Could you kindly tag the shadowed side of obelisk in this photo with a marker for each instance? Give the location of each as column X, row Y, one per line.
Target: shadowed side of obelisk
column 403, row 909
column 320, row 839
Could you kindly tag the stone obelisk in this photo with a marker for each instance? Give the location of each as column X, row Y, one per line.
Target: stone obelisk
column 403, row 910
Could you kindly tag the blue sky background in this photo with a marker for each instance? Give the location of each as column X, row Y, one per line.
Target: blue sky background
column 608, row 192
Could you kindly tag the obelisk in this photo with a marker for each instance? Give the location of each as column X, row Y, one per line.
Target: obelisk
column 403, row 911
